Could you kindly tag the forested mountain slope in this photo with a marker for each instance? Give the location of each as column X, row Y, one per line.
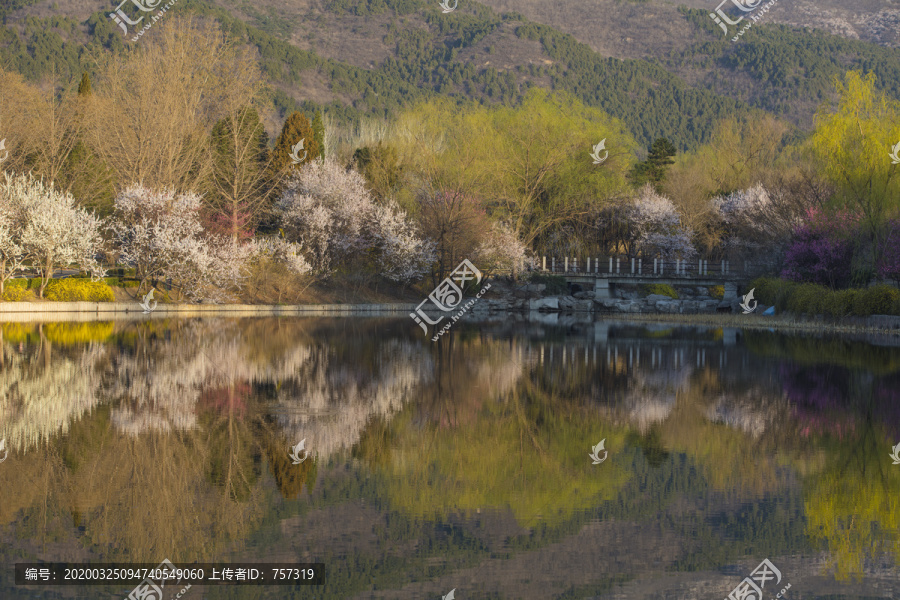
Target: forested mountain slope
column 675, row 75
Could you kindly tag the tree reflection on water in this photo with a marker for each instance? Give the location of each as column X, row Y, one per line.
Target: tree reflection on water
column 130, row 440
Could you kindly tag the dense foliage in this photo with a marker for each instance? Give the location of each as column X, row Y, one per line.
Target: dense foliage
column 786, row 66
column 441, row 180
column 812, row 299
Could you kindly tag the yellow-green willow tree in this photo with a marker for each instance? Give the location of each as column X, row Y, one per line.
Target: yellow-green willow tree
column 530, row 165
column 853, row 139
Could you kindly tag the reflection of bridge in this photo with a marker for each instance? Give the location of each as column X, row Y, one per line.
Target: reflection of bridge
column 602, row 272
column 592, row 344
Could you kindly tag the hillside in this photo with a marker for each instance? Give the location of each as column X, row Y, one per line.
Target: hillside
column 664, row 70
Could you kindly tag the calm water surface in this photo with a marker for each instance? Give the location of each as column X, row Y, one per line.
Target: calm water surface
column 459, row 465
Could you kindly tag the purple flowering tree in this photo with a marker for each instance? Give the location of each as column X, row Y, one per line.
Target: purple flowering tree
column 822, row 250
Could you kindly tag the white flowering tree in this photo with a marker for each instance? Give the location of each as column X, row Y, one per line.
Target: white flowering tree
column 281, row 251
column 501, row 250
column 159, row 232
column 402, row 255
column 12, row 255
column 755, row 219
column 328, row 210
column 44, row 226
column 658, row 226
column 743, row 214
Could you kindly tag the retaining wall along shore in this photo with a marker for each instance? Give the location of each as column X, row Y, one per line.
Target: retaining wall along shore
column 85, row 311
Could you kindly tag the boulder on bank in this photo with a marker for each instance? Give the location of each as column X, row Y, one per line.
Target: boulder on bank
column 668, row 306
column 583, row 305
column 566, row 302
column 546, row 304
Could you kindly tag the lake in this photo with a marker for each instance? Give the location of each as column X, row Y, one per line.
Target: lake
column 460, row 469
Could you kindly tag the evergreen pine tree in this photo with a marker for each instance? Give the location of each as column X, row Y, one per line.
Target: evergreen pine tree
column 653, row 170
column 319, row 132
column 84, row 88
column 659, row 157
column 296, row 128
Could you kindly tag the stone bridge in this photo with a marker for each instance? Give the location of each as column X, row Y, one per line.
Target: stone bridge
column 601, row 274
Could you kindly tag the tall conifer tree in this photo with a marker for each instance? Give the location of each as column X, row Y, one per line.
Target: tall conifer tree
column 239, row 186
column 84, row 88
column 296, row 128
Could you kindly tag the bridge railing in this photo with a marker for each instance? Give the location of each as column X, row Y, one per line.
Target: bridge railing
column 620, row 266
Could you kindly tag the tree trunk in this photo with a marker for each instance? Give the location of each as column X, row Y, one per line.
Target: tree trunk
column 46, row 274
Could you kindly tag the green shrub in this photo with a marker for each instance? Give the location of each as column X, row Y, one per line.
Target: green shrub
column 660, row 289
column 556, row 284
column 717, row 292
column 838, row 304
column 813, row 299
column 878, row 300
column 119, row 282
column 773, row 292
column 807, row 298
column 78, row 290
